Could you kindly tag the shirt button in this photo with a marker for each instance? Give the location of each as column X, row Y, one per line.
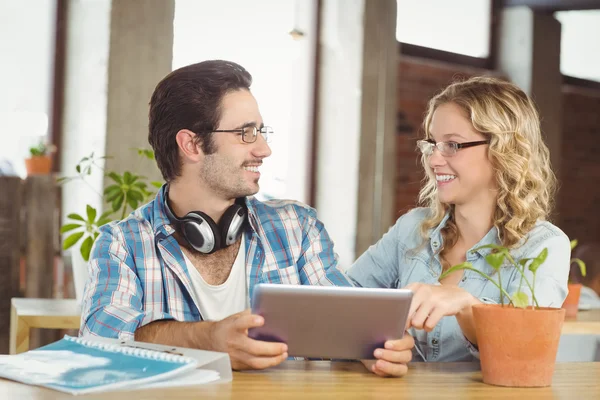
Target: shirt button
column 435, row 244
column 464, row 278
column 434, row 342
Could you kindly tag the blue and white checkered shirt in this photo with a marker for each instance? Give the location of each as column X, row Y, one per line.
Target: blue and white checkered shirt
column 137, row 273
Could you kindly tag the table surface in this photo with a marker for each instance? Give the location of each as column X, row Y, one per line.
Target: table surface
column 586, row 322
column 346, row 380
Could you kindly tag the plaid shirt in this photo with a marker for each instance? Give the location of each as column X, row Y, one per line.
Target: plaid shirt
column 137, row 273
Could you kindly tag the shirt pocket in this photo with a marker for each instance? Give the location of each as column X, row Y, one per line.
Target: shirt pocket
column 287, row 276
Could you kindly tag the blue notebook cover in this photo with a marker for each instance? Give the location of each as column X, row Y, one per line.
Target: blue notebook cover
column 79, row 366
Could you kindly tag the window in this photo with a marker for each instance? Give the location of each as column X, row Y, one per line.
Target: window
column 579, row 47
column 458, row 26
column 27, row 43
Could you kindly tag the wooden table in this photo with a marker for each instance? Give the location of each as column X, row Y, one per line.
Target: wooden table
column 322, row 379
column 40, row 313
column 65, row 314
column 586, row 322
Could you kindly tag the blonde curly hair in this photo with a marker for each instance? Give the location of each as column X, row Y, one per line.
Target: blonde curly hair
column 526, row 184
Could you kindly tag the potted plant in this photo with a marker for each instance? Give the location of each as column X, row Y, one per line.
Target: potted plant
column 125, row 193
column 40, row 159
column 571, row 304
column 517, row 339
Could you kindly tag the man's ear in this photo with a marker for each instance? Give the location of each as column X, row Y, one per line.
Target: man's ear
column 188, row 145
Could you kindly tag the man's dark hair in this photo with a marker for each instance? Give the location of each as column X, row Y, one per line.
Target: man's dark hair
column 190, row 98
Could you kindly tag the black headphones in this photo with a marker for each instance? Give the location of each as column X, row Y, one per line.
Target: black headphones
column 204, row 234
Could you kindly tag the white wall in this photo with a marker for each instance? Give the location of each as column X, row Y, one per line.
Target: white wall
column 84, row 121
column 26, row 75
column 256, row 36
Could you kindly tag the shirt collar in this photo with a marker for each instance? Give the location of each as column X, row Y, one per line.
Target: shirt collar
column 492, row 237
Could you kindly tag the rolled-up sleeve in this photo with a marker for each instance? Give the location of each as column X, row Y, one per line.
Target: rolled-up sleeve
column 113, row 298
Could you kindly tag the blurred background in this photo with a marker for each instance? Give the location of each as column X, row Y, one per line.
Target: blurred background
column 344, row 84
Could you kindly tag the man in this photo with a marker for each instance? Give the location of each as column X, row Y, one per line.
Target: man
column 181, row 269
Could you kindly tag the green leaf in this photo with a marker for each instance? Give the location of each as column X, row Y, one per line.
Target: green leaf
column 91, row 214
column 103, row 221
column 118, row 202
column 573, row 243
column 105, row 218
column 520, row 300
column 581, row 265
column 495, row 260
column 112, row 192
column 127, row 178
column 72, row 239
column 455, row 268
column 105, row 214
column 69, row 227
column 86, row 248
column 136, row 195
column 149, row 154
column 132, row 202
column 76, row 217
column 156, row 184
column 539, row 260
column 489, row 246
column 78, row 168
column 116, row 177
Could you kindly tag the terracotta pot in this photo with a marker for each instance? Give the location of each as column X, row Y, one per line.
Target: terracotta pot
column 517, row 346
column 38, row 165
column 571, row 303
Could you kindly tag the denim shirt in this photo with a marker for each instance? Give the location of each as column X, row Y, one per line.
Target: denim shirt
column 400, row 258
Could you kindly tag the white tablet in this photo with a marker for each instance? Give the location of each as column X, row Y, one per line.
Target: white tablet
column 328, row 321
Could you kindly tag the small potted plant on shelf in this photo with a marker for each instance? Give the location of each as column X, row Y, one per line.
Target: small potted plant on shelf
column 571, row 304
column 517, row 339
column 40, row 159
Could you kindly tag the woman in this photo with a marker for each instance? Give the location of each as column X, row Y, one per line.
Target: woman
column 488, row 180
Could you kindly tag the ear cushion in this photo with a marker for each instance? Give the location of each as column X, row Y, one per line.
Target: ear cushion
column 231, row 224
column 201, row 232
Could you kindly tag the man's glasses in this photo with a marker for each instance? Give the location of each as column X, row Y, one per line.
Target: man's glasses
column 447, row 149
column 250, row 133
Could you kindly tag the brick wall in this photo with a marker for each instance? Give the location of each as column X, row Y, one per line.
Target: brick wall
column 418, row 81
column 579, row 196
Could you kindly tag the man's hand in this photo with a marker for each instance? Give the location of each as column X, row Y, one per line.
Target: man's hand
column 392, row 361
column 432, row 302
column 230, row 335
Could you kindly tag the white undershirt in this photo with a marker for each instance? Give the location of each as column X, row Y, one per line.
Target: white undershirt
column 218, row 302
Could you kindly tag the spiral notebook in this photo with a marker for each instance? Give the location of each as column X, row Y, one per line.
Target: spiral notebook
column 80, row 366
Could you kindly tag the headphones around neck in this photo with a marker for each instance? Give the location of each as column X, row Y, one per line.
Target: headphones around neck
column 204, row 234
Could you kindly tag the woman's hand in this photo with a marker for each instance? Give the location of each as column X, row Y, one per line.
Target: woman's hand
column 432, row 302
column 392, row 361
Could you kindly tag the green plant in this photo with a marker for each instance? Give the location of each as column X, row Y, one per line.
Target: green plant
column 41, row 149
column 126, row 192
column 496, row 259
column 577, row 261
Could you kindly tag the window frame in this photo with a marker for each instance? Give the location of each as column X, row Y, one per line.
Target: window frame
column 488, row 62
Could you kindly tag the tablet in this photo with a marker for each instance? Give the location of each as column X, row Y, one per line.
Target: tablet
column 329, row 321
